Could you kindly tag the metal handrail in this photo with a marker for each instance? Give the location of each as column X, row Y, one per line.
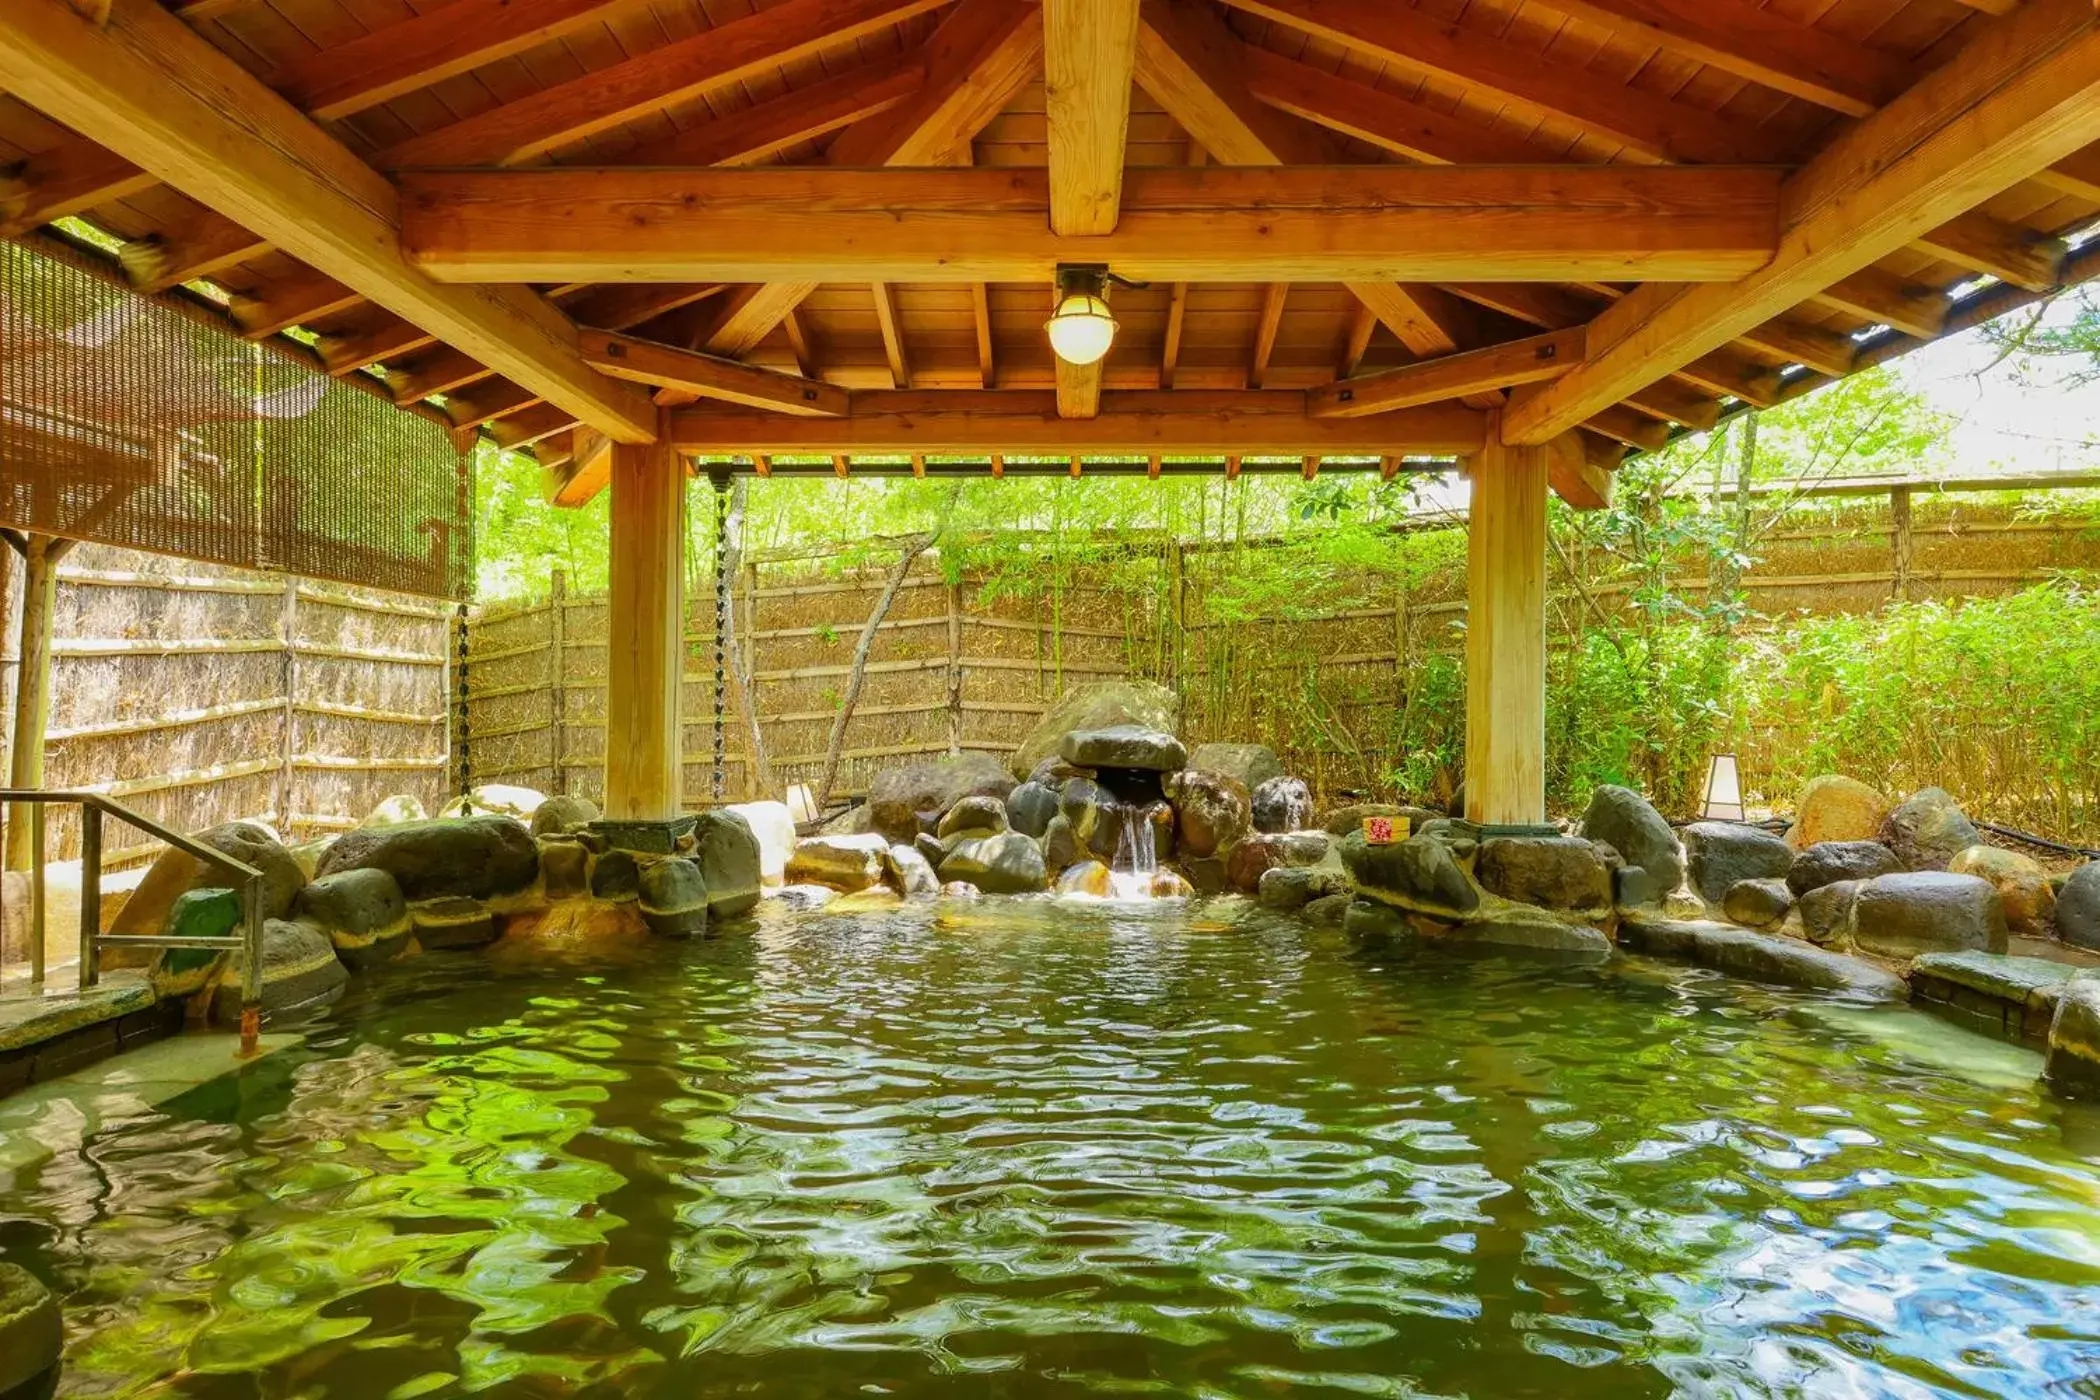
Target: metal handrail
column 93, row 807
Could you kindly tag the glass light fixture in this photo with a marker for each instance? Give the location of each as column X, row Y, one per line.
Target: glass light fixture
column 1724, row 791
column 1081, row 328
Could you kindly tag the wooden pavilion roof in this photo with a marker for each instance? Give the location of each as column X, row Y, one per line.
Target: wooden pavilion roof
column 777, row 226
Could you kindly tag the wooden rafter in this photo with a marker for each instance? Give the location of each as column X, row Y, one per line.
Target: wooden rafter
column 149, row 89
column 74, row 175
column 2025, row 93
column 1528, row 361
column 706, row 376
column 886, row 321
column 1987, row 245
column 1272, row 299
column 1216, row 224
column 767, row 128
column 981, row 320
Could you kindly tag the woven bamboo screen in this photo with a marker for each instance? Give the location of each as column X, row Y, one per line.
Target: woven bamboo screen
column 125, row 422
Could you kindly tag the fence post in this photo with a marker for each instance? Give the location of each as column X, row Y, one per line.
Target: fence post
column 955, row 675
column 748, row 693
column 558, row 679
column 288, row 722
column 1901, row 542
column 40, row 558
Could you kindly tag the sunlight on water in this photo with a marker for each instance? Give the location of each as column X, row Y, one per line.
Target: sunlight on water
column 1037, row 1149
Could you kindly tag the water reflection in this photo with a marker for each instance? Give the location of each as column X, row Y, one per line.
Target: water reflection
column 1034, row 1149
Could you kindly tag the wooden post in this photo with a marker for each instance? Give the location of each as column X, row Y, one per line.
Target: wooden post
column 288, row 720
column 1506, row 636
column 747, row 688
column 558, row 679
column 955, row 675
column 644, row 645
column 1902, row 543
column 40, row 557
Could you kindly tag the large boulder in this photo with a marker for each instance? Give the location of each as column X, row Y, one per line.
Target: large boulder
column 845, row 863
column 175, row 872
column 774, row 826
column 674, row 897
column 1295, row 886
column 198, row 913
column 2022, row 884
column 1249, row 765
column 300, row 973
column 1421, row 873
column 903, row 801
column 455, row 921
column 1521, row 927
column 615, row 876
column 1836, row 808
column 1623, row 819
column 1089, row 878
column 1096, row 820
column 1031, row 807
column 2078, row 907
column 1101, row 705
column 1061, row 844
column 1928, row 831
column 1762, row 956
column 1826, row 913
column 1927, row 911
column 474, row 857
column 1554, row 872
column 561, row 814
column 1827, row 862
column 730, row 862
column 2073, row 1066
column 32, row 1335
column 1211, row 810
column 910, row 872
column 1282, row 804
column 363, row 914
column 565, row 868
column 1721, row 854
column 982, row 816
column 1248, row 859
column 1008, row 863
column 1124, row 746
column 392, row 811
column 1758, row 903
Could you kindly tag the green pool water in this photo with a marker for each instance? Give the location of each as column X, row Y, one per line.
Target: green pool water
column 1032, row 1149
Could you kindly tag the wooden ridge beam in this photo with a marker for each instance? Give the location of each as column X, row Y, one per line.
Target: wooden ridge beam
column 2023, row 94
column 706, row 376
column 1089, row 51
column 1650, row 127
column 1214, row 224
column 729, row 53
column 1528, row 361
column 770, row 127
column 1136, row 422
column 344, row 79
column 147, row 87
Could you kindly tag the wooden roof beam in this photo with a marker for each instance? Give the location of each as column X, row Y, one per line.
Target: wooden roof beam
column 1089, row 51
column 676, row 72
column 276, row 306
column 1216, row 224
column 208, row 243
column 1528, row 361
column 379, row 66
column 706, row 376
column 623, row 306
column 1136, row 422
column 147, row 87
column 2005, row 251
column 1880, row 296
column 2021, row 95
column 1650, row 127
column 75, row 175
column 1273, row 298
column 439, row 372
column 885, row 299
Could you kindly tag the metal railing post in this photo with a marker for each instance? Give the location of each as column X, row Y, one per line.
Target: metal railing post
column 90, row 891
column 251, row 969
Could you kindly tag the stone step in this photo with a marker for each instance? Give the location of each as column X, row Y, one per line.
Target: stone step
column 2003, row 993
column 1762, row 957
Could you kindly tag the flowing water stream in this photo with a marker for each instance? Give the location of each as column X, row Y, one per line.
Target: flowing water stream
column 1033, row 1149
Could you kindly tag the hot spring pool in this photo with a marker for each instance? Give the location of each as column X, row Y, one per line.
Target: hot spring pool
column 1028, row 1149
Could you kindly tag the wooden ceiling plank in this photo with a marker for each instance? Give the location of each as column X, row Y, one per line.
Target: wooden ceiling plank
column 1652, row 127
column 1372, row 115
column 1136, row 422
column 729, row 53
column 1758, row 44
column 1216, row 224
column 71, row 177
column 2022, row 95
column 1089, row 51
column 344, row 79
column 893, row 349
column 767, row 128
column 147, row 87
column 1528, row 361
column 2005, row 251
column 707, row 376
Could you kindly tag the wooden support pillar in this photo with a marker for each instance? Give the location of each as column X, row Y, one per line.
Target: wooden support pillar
column 1506, row 636
column 646, row 611
column 1902, row 543
column 40, row 555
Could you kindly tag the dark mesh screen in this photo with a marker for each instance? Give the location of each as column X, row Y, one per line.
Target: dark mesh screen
column 122, row 421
